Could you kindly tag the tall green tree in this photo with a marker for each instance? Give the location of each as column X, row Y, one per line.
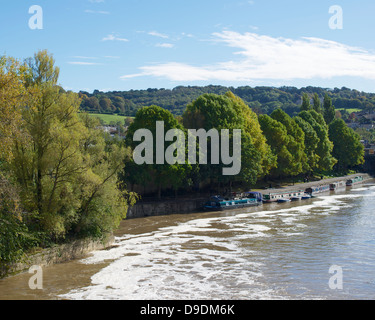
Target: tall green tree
column 329, row 110
column 311, row 144
column 66, row 172
column 15, row 237
column 317, row 106
column 296, row 141
column 305, row 102
column 278, row 138
column 12, row 96
column 211, row 111
column 228, row 111
column 325, row 146
column 252, row 126
column 348, row 149
column 164, row 175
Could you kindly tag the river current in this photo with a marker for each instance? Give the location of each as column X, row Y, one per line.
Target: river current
column 274, row 251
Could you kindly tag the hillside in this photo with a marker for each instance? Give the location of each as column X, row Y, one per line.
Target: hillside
column 260, row 99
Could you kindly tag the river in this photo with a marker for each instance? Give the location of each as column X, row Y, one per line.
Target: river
column 275, row 251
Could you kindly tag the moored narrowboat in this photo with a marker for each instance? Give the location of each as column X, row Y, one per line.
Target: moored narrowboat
column 337, row 185
column 313, row 191
column 253, row 195
column 355, row 181
column 218, row 203
column 288, row 195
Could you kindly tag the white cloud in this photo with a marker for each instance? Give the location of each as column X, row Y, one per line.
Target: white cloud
column 97, row 12
column 158, row 34
column 82, row 63
column 267, row 58
column 84, row 57
column 112, row 37
column 165, row 45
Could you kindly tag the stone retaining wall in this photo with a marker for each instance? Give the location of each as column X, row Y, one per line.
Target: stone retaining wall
column 149, row 209
column 58, row 254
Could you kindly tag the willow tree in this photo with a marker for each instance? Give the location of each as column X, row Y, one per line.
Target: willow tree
column 14, row 234
column 12, row 95
column 67, row 174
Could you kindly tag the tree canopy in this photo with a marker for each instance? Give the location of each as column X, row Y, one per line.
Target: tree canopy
column 63, row 171
column 348, row 149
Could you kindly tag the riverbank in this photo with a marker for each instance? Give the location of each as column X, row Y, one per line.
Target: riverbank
column 77, row 249
column 187, row 205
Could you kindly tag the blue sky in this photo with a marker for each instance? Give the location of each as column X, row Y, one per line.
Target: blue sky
column 139, row 44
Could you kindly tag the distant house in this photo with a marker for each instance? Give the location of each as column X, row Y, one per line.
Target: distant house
column 109, row 129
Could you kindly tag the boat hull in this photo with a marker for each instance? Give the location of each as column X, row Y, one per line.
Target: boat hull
column 283, row 200
column 231, row 205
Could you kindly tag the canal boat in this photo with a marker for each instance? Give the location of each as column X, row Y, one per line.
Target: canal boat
column 314, row 191
column 287, row 195
column 337, row 185
column 355, row 181
column 253, row 195
column 218, row 203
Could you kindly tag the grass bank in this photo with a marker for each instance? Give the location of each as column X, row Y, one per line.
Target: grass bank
column 108, row 118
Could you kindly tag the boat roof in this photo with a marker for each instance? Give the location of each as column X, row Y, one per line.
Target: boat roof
column 286, row 192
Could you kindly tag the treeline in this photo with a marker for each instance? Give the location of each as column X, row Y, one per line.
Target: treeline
column 263, row 100
column 273, row 146
column 58, row 172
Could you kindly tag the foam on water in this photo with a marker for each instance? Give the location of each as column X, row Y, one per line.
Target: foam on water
column 199, row 259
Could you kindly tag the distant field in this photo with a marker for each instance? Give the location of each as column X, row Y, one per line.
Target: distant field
column 350, row 110
column 108, row 118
